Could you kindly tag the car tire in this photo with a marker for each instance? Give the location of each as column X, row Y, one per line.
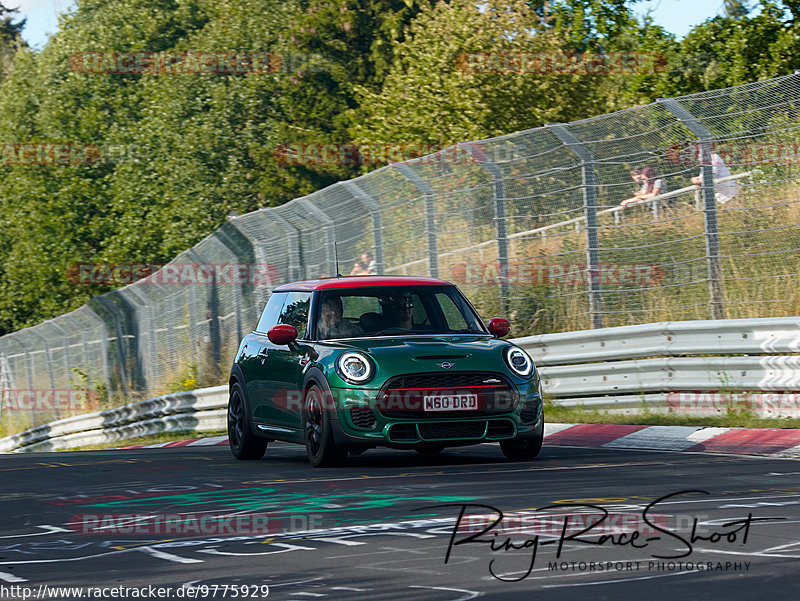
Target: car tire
column 524, row 448
column 243, row 442
column 318, row 431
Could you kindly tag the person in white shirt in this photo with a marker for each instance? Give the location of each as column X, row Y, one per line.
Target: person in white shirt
column 723, row 191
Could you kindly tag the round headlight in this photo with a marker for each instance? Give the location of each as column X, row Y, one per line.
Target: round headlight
column 355, row 367
column 519, row 361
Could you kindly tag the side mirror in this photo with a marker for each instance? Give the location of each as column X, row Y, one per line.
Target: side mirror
column 499, row 327
column 282, row 334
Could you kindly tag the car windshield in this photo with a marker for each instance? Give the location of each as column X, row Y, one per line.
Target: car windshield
column 389, row 311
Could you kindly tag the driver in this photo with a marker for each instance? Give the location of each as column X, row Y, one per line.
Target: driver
column 330, row 323
column 398, row 311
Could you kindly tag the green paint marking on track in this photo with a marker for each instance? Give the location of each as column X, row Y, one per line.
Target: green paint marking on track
column 267, row 499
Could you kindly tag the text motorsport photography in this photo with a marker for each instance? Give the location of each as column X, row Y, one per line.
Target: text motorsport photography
column 666, row 542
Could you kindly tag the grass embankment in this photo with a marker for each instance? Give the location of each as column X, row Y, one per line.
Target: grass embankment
column 729, row 419
column 758, row 236
column 148, row 440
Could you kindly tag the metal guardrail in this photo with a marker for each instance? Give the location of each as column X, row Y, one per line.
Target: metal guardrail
column 201, row 410
column 642, row 364
column 766, row 336
column 613, row 368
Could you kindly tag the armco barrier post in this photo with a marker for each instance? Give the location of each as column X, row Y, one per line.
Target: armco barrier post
column 430, row 216
column 374, row 208
column 589, row 184
column 706, row 139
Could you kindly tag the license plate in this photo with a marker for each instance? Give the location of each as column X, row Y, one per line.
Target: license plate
column 451, row 402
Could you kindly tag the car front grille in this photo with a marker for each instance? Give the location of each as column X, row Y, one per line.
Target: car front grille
column 402, row 396
column 492, row 429
column 444, row 430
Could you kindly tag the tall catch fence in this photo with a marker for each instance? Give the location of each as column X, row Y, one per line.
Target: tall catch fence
column 528, row 224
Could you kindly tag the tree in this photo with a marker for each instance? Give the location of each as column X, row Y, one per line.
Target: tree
column 335, row 47
column 10, row 38
column 725, row 51
column 190, row 139
column 469, row 72
column 736, row 9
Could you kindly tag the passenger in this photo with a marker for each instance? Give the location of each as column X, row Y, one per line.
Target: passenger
column 331, row 325
column 398, row 311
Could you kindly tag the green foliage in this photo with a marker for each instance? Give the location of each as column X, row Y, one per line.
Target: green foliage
column 733, row 50
column 451, row 80
column 198, row 146
column 10, row 40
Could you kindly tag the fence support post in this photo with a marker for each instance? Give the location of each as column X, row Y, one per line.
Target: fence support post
column 501, row 227
column 706, row 139
column 330, row 232
column 134, row 364
column 374, row 208
column 143, row 305
column 103, row 346
column 589, row 184
column 296, row 271
column 430, row 216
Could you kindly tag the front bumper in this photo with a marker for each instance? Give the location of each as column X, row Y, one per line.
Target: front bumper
column 360, row 423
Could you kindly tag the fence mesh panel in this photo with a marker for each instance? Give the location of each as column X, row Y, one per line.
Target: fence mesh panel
column 530, row 225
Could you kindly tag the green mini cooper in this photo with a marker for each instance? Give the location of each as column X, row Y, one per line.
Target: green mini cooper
column 346, row 364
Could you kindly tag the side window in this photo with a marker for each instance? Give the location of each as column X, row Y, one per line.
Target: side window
column 270, row 315
column 455, row 320
column 420, row 315
column 295, row 312
column 355, row 306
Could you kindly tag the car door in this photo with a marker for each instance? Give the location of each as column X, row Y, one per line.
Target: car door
column 255, row 365
column 284, row 377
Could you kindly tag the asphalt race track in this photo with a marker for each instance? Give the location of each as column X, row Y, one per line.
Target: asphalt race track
column 381, row 527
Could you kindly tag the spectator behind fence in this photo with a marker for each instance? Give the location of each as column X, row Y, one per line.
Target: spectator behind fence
column 723, row 191
column 651, row 185
column 364, row 265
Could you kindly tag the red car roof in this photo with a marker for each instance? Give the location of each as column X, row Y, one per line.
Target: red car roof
column 361, row 281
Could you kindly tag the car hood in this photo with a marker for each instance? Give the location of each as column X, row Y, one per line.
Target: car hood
column 398, row 355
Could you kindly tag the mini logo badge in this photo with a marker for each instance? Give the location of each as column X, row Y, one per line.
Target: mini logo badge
column 445, row 365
